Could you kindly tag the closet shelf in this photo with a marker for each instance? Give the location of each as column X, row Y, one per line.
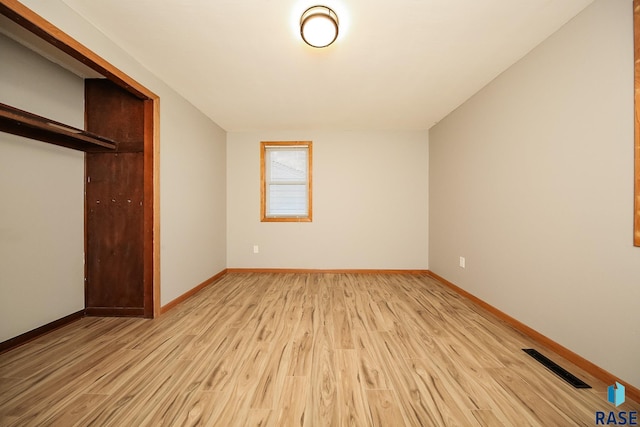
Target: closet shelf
column 19, row 122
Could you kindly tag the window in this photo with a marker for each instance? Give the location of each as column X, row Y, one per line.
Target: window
column 285, row 181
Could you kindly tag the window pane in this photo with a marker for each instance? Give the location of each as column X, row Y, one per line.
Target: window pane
column 287, row 200
column 287, row 165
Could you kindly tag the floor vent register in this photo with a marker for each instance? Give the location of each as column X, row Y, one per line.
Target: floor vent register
column 556, row 369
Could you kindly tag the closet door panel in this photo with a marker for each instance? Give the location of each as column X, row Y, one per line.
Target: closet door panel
column 114, row 243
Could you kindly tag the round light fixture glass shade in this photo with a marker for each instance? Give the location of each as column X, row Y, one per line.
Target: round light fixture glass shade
column 319, row 26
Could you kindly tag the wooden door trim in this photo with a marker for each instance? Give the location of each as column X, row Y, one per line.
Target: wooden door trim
column 636, row 56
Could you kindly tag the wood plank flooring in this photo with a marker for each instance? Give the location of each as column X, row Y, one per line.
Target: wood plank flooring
column 259, row 349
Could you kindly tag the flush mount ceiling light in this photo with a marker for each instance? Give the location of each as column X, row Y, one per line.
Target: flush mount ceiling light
column 319, row 26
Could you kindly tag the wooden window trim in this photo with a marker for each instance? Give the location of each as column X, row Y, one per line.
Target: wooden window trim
column 263, row 181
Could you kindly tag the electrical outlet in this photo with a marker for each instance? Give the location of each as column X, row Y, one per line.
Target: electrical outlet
column 463, row 262
column 256, row 249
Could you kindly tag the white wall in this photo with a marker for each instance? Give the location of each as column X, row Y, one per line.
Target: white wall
column 192, row 166
column 370, row 203
column 41, row 198
column 193, row 196
column 532, row 181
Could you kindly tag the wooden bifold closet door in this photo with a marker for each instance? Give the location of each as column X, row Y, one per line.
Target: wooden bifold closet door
column 115, row 203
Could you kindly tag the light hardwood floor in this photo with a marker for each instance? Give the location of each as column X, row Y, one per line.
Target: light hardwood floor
column 259, row 349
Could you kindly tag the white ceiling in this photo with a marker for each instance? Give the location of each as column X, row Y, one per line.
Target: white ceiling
column 397, row 64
